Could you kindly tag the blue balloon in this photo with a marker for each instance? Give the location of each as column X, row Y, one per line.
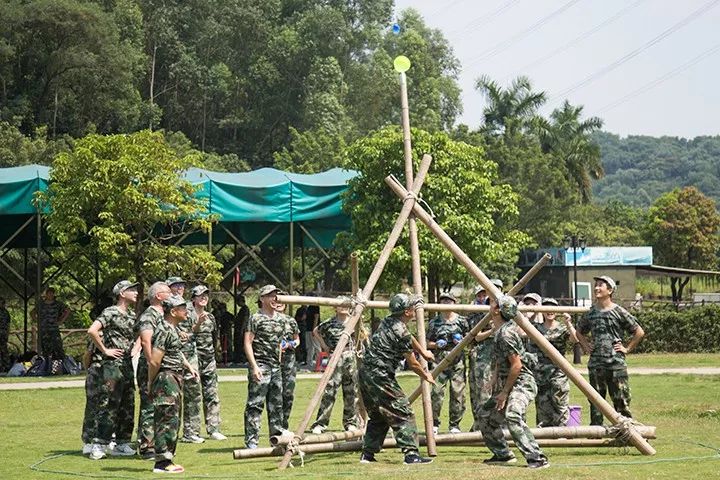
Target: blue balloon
column 396, row 28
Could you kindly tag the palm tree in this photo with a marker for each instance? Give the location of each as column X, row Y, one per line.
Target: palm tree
column 509, row 110
column 568, row 137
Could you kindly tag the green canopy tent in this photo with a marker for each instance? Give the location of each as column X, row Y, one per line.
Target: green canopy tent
column 264, row 207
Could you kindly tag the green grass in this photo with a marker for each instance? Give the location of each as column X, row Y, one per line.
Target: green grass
column 45, row 424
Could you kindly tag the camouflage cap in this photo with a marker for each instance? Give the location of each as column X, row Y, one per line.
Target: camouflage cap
column 173, row 281
column 199, row 290
column 498, row 283
column 344, row 298
column 507, row 306
column 448, row 296
column 549, row 301
column 123, row 285
column 610, row 282
column 267, row 290
column 402, row 301
column 533, row 296
column 479, row 289
column 173, row 301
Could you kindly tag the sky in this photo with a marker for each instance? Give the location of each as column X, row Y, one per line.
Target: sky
column 646, row 67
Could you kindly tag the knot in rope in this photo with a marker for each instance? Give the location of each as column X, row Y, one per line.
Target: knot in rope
column 294, row 448
column 359, row 299
column 623, row 429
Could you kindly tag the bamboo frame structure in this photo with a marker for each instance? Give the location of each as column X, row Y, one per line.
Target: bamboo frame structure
column 360, row 305
column 595, row 398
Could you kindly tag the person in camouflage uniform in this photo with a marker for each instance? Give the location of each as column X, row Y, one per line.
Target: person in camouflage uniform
column 386, row 403
column 144, row 329
column 206, row 336
column 515, row 389
column 328, row 334
column 192, row 390
column 443, row 332
column 552, row 401
column 606, row 322
column 165, row 379
column 4, row 335
column 50, row 314
column 263, row 337
column 480, row 355
column 116, row 397
column 288, row 367
column 92, row 361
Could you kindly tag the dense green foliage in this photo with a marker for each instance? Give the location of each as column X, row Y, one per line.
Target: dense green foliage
column 691, row 330
column 638, row 169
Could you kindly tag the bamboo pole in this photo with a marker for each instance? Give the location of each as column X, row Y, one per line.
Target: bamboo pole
column 360, row 332
column 431, row 307
column 359, row 307
column 584, row 436
column 416, row 272
column 608, row 411
column 327, row 437
column 458, row 349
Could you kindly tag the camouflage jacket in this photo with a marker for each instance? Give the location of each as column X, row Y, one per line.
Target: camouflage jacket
column 269, row 332
column 48, row 314
column 331, row 330
column 291, row 329
column 507, row 341
column 482, row 351
column 188, row 346
column 118, row 330
column 438, row 328
column 166, row 338
column 605, row 326
column 205, row 335
column 388, row 346
column 558, row 336
column 148, row 321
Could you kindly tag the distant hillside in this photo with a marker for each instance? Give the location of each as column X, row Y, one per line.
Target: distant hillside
column 639, row 168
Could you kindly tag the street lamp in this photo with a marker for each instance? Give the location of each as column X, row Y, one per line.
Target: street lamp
column 575, row 241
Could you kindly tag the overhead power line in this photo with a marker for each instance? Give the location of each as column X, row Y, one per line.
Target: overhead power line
column 484, row 19
column 625, row 58
column 650, row 85
column 505, row 44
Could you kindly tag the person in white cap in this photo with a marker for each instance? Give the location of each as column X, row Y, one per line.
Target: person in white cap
column 606, row 322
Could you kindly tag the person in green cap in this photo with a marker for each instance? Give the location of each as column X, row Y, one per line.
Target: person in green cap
column 386, row 403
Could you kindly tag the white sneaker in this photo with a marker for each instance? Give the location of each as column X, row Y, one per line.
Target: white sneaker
column 252, row 446
column 87, row 448
column 217, row 436
column 123, row 450
column 318, row 429
column 351, row 428
column 455, row 430
column 435, row 430
column 97, row 452
column 192, row 439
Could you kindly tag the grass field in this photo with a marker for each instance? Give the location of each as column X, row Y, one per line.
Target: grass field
column 44, row 426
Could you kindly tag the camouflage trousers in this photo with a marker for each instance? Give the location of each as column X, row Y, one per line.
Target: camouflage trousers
column 192, row 399
column 614, row 382
column 345, row 376
column 268, row 391
column 288, row 371
column 455, row 376
column 387, row 407
column 51, row 344
column 93, row 379
column 146, row 415
column 492, row 420
column 115, row 402
column 480, row 382
column 167, row 398
column 553, row 398
column 211, row 399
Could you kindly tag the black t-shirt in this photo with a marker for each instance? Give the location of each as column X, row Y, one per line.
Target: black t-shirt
column 301, row 318
column 313, row 313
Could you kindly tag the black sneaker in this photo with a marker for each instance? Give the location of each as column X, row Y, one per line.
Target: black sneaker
column 498, row 460
column 415, row 459
column 366, row 457
column 541, row 462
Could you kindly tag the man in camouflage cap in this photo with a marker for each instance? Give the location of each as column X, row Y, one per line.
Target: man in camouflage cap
column 288, row 367
column 116, row 397
column 386, row 403
column 165, row 379
column 606, row 322
column 263, row 338
column 205, row 330
column 144, row 328
column 443, row 332
column 514, row 390
column 328, row 333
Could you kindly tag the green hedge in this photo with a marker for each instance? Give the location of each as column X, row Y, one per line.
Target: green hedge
column 695, row 329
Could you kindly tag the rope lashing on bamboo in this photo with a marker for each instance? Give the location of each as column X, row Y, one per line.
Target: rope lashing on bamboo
column 622, row 430
column 358, row 299
column 294, row 447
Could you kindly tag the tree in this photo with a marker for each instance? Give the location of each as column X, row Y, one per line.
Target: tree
column 120, row 199
column 464, row 192
column 512, row 110
column 569, row 138
column 682, row 227
column 17, row 149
